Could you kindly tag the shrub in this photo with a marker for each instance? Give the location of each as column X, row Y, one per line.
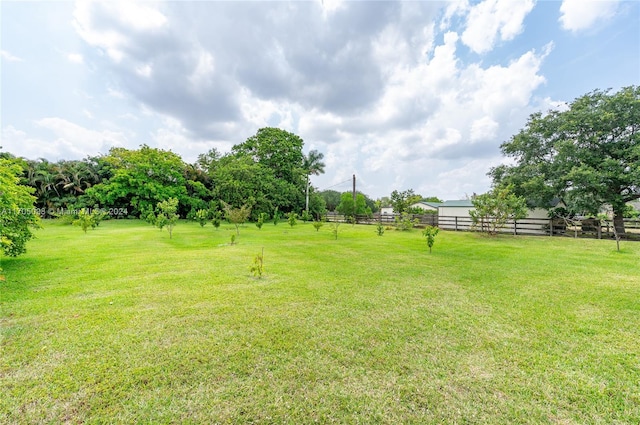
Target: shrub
column 202, row 216
column 257, row 268
column 317, row 225
column 276, row 216
column 261, row 219
column 404, row 222
column 306, row 216
column 292, row 218
column 84, row 220
column 334, row 229
column 217, row 219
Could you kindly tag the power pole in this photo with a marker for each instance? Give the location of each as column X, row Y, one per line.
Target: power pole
column 354, row 190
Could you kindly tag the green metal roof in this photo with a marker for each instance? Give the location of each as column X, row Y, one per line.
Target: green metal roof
column 458, row 203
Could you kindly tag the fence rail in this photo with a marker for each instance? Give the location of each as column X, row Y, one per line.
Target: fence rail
column 593, row 228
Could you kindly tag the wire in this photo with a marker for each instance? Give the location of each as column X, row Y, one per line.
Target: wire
column 337, row 184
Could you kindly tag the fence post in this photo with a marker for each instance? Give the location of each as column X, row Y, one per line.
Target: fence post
column 515, row 227
column 551, row 227
column 456, row 224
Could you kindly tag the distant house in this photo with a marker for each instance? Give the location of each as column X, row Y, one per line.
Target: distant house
column 427, row 206
column 388, row 210
column 458, row 208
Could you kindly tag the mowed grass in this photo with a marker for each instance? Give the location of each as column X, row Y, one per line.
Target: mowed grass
column 124, row 325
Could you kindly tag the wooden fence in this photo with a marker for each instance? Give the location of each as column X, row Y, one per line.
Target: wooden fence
column 593, row 228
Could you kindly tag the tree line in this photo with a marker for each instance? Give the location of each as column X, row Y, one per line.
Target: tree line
column 269, row 172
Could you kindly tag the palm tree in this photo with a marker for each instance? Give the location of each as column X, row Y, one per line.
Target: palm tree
column 312, row 164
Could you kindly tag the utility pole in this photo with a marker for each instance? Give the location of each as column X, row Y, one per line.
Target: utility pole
column 354, row 190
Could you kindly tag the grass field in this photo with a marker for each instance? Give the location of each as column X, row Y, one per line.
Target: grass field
column 124, row 325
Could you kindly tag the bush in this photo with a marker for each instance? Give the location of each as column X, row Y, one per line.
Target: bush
column 261, row 219
column 292, row 218
column 202, row 217
column 217, row 219
column 404, row 222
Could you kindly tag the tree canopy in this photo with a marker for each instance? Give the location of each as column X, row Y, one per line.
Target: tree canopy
column 17, row 213
column 268, row 172
column 587, row 154
column 277, row 150
column 141, row 178
column 493, row 209
column 401, row 201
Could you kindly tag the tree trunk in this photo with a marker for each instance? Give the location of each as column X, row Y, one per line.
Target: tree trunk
column 306, row 208
column 618, row 220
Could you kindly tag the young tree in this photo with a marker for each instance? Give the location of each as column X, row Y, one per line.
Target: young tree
column 262, row 217
column 85, row 220
column 237, row 216
column 494, row 208
column 430, row 232
column 588, row 154
column 202, row 216
column 167, row 215
column 292, row 218
column 17, row 213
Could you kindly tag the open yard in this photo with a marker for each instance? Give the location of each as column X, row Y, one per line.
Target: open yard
column 124, row 325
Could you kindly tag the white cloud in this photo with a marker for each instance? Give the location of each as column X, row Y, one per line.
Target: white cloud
column 330, row 6
column 75, row 58
column 77, row 141
column 577, row 15
column 483, row 128
column 379, row 89
column 174, row 137
column 70, row 141
column 492, row 20
column 144, row 70
column 454, row 8
column 9, row 57
column 115, row 93
column 20, row 144
column 135, row 17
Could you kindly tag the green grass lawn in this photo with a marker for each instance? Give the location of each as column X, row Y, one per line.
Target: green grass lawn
column 124, row 325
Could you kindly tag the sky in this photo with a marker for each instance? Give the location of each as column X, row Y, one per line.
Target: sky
column 404, row 95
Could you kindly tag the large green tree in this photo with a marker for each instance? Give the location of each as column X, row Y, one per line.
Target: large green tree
column 401, row 201
column 349, row 208
column 241, row 180
column 277, row 150
column 141, row 178
column 587, row 154
column 276, row 157
column 331, row 199
column 17, row 212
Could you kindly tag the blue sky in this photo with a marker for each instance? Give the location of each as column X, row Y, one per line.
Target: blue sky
column 402, row 94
